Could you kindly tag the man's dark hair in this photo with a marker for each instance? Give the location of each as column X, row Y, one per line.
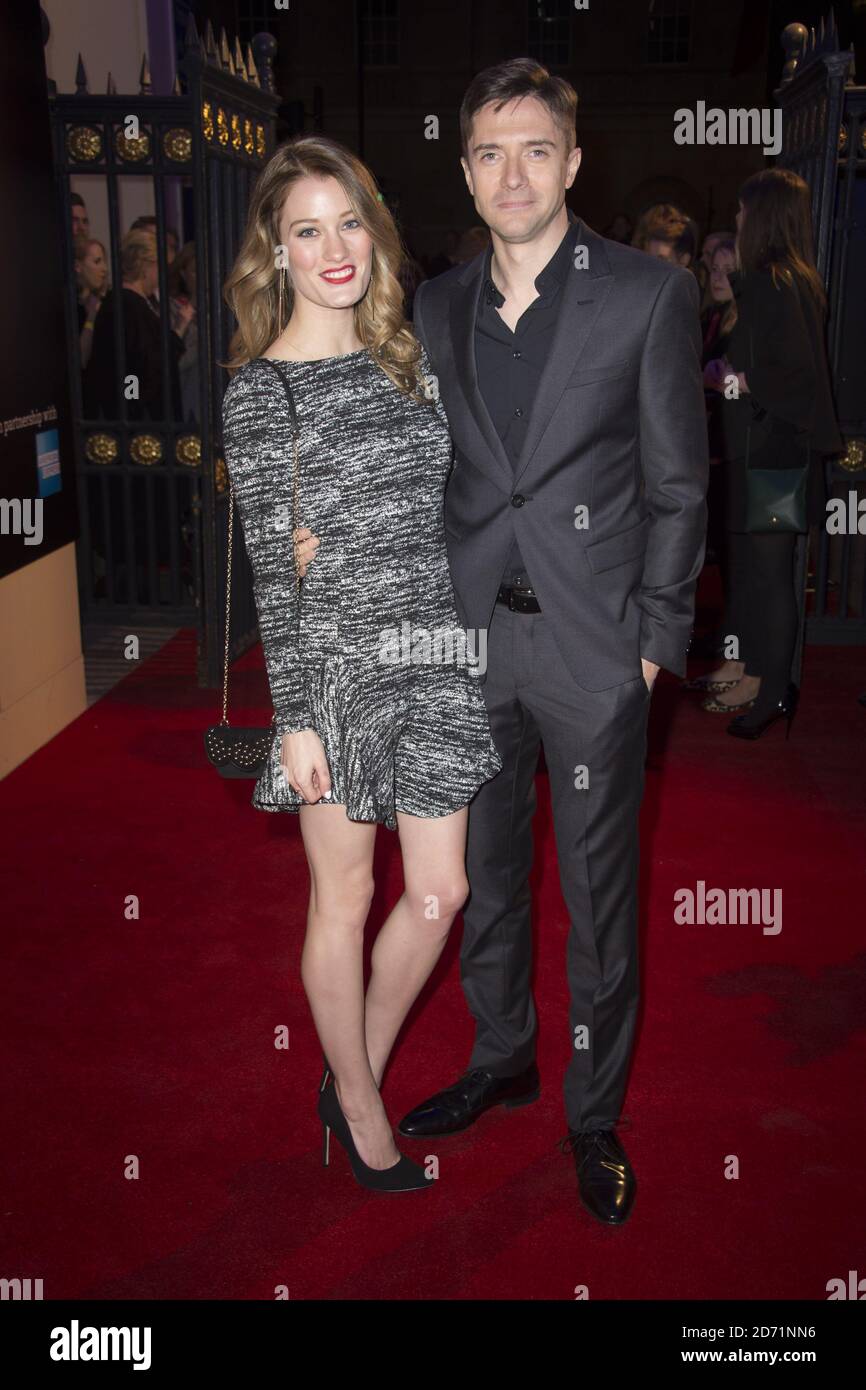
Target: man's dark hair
column 520, row 77
column 76, row 200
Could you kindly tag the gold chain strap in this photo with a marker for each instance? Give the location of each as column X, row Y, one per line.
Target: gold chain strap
column 225, row 718
column 295, row 516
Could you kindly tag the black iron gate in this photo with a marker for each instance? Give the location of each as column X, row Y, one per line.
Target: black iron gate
column 152, row 486
column 824, row 140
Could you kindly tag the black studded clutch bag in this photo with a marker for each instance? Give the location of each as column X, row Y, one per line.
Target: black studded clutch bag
column 233, row 751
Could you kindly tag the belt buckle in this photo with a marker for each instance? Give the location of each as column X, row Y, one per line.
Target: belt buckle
column 514, row 597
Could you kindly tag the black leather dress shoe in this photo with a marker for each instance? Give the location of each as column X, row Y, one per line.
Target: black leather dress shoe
column 605, row 1180
column 460, row 1105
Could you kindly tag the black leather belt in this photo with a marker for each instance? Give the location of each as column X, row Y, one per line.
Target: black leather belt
column 518, row 600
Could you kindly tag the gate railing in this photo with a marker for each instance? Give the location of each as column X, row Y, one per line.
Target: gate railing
column 151, row 482
column 824, row 140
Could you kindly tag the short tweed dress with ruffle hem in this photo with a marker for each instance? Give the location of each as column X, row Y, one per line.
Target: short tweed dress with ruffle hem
column 373, row 657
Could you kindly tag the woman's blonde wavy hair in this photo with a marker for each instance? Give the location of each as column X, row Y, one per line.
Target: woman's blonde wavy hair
column 252, row 288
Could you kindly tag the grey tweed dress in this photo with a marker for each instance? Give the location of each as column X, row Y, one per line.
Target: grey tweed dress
column 372, row 655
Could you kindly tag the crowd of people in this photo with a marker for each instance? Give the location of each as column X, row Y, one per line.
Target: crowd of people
column 157, row 528
column 769, row 408
column 141, row 314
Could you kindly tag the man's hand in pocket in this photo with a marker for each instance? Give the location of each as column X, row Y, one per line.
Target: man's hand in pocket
column 650, row 671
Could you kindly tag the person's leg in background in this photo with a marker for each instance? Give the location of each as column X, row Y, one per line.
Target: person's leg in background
column 717, row 551
column 737, row 624
column 773, row 617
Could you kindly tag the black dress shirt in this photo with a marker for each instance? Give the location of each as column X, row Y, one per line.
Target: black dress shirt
column 510, row 365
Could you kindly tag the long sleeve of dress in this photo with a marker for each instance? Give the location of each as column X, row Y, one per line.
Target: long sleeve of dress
column 265, row 510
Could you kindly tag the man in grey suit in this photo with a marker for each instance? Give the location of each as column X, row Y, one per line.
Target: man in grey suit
column 569, row 367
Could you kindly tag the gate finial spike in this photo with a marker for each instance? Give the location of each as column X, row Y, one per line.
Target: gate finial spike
column 225, row 55
column 210, row 45
column 80, row 78
column 252, row 72
column 240, row 70
column 111, row 87
column 145, row 89
column 177, row 89
column 191, row 38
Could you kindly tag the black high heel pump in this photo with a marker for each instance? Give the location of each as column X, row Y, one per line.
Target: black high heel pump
column 785, row 708
column 403, row 1176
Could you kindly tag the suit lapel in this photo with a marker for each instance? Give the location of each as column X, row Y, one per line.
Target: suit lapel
column 583, row 298
column 484, row 447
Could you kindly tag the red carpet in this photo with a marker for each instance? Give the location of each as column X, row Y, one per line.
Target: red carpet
column 152, row 1039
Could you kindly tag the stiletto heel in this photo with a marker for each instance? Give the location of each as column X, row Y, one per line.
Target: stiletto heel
column 403, row 1176
column 785, row 709
column 326, row 1129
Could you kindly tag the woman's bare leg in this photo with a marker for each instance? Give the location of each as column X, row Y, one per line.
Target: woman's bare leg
column 340, row 856
column 411, row 940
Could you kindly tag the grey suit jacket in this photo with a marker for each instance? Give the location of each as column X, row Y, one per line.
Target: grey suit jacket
column 608, row 498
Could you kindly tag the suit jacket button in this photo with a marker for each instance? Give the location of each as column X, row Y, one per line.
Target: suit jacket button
column 518, row 499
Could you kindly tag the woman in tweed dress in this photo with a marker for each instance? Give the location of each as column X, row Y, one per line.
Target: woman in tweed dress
column 379, row 717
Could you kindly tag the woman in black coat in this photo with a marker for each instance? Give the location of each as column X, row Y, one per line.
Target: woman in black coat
column 717, row 325
column 777, row 413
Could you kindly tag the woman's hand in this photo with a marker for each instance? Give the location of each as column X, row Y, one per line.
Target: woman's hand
column 304, row 765
column 183, row 312
column 306, row 545
column 715, row 373
column 719, row 375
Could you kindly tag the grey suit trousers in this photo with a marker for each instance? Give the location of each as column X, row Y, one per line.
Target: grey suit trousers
column 595, row 747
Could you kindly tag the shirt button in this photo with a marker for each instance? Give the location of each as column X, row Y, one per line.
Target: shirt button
column 518, row 499
column 515, row 354
column 518, row 411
